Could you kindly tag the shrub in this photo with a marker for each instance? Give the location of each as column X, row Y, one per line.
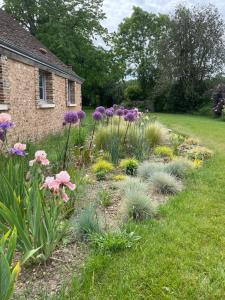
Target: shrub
column 101, row 168
column 86, row 222
column 165, row 183
column 178, row 167
column 197, row 163
column 164, row 151
column 191, row 141
column 155, row 134
column 113, row 241
column 133, row 185
column 119, row 177
column 147, row 169
column 104, row 198
column 129, row 165
column 136, row 205
column 200, row 153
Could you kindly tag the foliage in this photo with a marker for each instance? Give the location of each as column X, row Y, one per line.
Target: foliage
column 101, row 168
column 178, row 167
column 147, row 169
column 133, row 184
column 119, row 177
column 197, row 163
column 200, row 153
column 164, row 151
column 133, row 92
column 129, row 165
column 86, row 222
column 175, row 141
column 8, row 273
column 165, row 183
column 136, row 205
column 155, row 135
column 104, row 198
column 108, row 242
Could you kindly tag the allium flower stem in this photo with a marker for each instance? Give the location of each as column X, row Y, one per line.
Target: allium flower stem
column 118, row 127
column 125, row 136
column 66, row 147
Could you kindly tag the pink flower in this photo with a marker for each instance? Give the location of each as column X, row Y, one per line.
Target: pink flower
column 64, row 196
column 5, row 117
column 64, row 179
column 19, row 146
column 51, row 184
column 40, row 158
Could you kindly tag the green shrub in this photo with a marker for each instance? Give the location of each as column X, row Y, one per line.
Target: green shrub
column 155, row 135
column 104, row 198
column 164, row 151
column 119, row 177
column 133, row 184
column 86, row 222
column 165, row 183
column 101, row 168
column 201, row 153
column 147, row 169
column 113, row 241
column 129, row 165
column 178, row 167
column 136, row 205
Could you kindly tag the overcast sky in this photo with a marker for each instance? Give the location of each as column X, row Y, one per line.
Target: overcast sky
column 116, row 10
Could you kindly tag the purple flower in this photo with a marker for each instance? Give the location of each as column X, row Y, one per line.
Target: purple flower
column 130, row 117
column 119, row 112
column 100, row 109
column 2, row 135
column 6, row 125
column 97, row 116
column 71, row 117
column 109, row 112
column 17, row 152
column 125, row 111
column 81, row 115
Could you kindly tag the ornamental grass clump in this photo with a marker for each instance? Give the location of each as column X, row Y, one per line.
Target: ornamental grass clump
column 133, row 184
column 147, row 169
column 179, row 167
column 136, row 205
column 164, row 151
column 165, row 183
column 155, row 134
column 129, row 165
column 101, row 168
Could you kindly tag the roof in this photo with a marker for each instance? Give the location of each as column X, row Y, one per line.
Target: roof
column 13, row 35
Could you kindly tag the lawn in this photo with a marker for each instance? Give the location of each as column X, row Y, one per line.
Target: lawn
column 181, row 254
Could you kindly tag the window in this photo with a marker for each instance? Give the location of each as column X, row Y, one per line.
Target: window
column 71, row 92
column 4, row 84
column 42, row 86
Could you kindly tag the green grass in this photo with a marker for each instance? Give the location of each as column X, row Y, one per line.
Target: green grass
column 181, row 255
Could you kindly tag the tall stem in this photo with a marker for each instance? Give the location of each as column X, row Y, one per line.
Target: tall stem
column 92, row 137
column 125, row 136
column 66, row 147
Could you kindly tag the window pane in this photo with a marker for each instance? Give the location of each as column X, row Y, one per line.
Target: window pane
column 71, row 97
column 42, row 86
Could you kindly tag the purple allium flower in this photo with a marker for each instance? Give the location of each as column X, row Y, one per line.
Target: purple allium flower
column 130, row 117
column 119, row 112
column 109, row 112
column 81, row 115
column 97, row 116
column 6, row 125
column 100, row 109
column 17, row 152
column 71, row 117
column 125, row 111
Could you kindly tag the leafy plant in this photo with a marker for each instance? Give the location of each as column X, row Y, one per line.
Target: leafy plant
column 104, row 198
column 147, row 169
column 129, row 165
column 178, row 167
column 86, row 222
column 165, row 183
column 113, row 241
column 101, row 168
column 119, row 177
column 132, row 184
column 199, row 152
column 164, row 151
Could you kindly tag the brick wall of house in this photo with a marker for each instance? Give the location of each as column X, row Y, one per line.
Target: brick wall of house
column 33, row 123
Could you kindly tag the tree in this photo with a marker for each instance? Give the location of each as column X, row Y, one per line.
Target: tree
column 136, row 45
column 192, row 50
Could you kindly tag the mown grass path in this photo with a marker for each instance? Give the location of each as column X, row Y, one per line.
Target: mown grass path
column 181, row 255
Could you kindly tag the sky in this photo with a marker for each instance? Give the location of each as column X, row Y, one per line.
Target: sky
column 117, row 10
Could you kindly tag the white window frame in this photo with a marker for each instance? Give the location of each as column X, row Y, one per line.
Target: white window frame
column 71, row 85
column 42, row 79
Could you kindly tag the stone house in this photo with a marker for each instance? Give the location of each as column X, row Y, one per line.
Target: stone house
column 36, row 87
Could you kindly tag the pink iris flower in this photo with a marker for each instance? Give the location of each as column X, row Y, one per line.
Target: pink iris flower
column 40, row 158
column 5, row 117
column 19, row 146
